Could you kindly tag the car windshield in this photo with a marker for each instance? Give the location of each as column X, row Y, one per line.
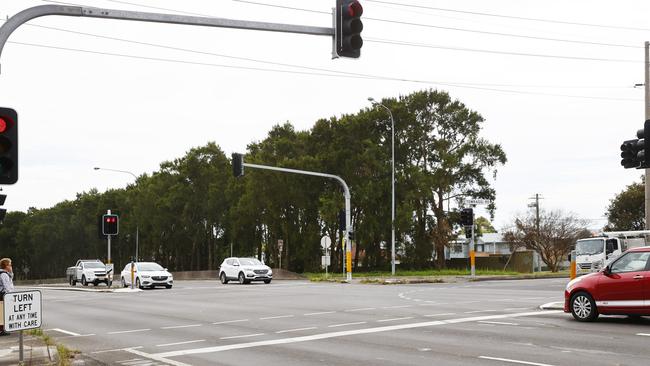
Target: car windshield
column 94, row 265
column 249, row 262
column 149, row 267
column 590, row 247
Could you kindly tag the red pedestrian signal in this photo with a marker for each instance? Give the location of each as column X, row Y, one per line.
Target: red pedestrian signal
column 8, row 146
column 348, row 27
column 110, row 224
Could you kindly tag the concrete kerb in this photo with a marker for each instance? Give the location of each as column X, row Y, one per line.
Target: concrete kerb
column 69, row 288
column 35, row 351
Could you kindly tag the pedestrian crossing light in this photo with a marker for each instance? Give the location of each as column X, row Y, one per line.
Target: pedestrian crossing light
column 110, row 224
column 348, row 27
column 8, row 146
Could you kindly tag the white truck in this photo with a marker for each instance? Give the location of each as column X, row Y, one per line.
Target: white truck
column 88, row 271
column 592, row 254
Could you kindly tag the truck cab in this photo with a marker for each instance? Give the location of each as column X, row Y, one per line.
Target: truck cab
column 593, row 254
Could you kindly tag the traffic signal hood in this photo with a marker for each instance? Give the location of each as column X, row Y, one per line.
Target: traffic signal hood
column 348, row 27
column 8, row 146
column 110, row 224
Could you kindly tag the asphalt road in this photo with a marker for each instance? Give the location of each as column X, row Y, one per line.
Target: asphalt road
column 301, row 323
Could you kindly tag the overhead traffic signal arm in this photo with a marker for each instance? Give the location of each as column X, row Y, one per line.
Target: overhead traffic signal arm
column 8, row 146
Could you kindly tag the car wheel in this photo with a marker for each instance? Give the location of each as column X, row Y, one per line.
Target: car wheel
column 242, row 278
column 95, row 283
column 223, row 278
column 72, row 281
column 267, row 281
column 83, row 281
column 123, row 281
column 583, row 307
column 137, row 283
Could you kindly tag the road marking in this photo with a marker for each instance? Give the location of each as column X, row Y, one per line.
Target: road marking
column 497, row 323
column 117, row 349
column 181, row 326
column 643, row 334
column 511, row 309
column 64, row 331
column 397, row 307
column 387, row 328
column 157, row 358
column 295, row 330
column 514, row 361
column 478, row 311
column 177, row 343
column 129, row 331
column 231, row 321
column 439, row 314
column 320, row 313
column 394, row 319
column 359, row 309
column 345, row 324
column 277, row 317
column 77, row 336
column 243, row 336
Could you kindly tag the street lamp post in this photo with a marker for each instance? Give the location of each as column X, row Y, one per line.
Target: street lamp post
column 392, row 181
column 137, row 229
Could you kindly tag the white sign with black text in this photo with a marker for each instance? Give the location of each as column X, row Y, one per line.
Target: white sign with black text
column 22, row 310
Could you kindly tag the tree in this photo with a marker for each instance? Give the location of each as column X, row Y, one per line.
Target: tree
column 626, row 211
column 484, row 226
column 557, row 234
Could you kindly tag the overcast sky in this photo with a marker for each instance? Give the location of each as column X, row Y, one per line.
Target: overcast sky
column 560, row 108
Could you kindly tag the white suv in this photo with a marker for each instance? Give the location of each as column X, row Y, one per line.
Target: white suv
column 244, row 270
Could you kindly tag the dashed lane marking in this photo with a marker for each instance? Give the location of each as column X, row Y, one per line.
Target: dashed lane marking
column 440, row 314
column 243, row 336
column 129, row 331
column 277, row 317
column 179, row 343
column 359, row 309
column 514, row 361
column 319, row 313
column 397, row 307
column 181, row 326
column 344, row 324
column 479, row 311
column 231, row 321
column 394, row 319
column 295, row 330
column 64, row 331
column 643, row 334
column 497, row 323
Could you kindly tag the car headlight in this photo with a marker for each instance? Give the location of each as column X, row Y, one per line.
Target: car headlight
column 598, row 264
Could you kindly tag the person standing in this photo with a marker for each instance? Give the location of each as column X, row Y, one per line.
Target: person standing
column 6, row 285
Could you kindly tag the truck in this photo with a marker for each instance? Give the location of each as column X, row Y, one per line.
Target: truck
column 88, row 271
column 593, row 254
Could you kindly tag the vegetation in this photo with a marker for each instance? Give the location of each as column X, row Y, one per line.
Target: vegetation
column 626, row 211
column 65, row 354
column 192, row 211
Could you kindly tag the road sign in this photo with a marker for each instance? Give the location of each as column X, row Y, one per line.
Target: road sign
column 477, row 201
column 325, row 242
column 280, row 244
column 22, row 310
column 325, row 260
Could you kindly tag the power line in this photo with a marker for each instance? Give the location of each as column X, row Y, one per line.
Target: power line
column 501, row 34
column 510, row 16
column 356, row 76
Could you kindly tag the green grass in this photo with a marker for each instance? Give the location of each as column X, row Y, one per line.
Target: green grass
column 65, row 354
column 368, row 276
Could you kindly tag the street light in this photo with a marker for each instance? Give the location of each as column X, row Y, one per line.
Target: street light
column 392, row 181
column 137, row 229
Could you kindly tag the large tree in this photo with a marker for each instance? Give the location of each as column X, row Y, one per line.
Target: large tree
column 626, row 211
column 552, row 237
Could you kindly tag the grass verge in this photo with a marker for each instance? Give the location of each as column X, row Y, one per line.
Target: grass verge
column 65, row 354
column 428, row 276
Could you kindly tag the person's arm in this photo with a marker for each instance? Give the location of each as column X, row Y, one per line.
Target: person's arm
column 6, row 282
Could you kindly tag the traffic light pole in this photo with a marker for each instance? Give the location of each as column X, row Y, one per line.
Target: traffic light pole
column 108, row 257
column 82, row 11
column 647, row 117
column 346, row 194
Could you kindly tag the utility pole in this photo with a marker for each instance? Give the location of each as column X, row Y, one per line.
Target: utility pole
column 647, row 116
column 536, row 205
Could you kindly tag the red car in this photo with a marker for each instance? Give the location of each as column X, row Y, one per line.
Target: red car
column 621, row 288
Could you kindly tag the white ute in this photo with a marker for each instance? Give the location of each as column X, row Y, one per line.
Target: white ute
column 87, row 271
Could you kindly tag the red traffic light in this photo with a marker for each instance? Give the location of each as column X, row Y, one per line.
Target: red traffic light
column 3, row 125
column 355, row 9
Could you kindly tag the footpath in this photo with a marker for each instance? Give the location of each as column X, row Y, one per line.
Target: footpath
column 35, row 351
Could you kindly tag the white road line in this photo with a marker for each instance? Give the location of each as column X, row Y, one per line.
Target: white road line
column 344, row 324
column 177, row 343
column 359, row 309
column 388, row 328
column 514, row 361
column 478, row 311
column 643, row 334
column 320, row 313
column 182, row 326
column 157, row 358
column 394, row 319
column 77, row 336
column 440, row 314
column 117, row 349
column 129, row 331
column 509, row 309
column 295, row 330
column 397, row 307
column 497, row 323
column 64, row 331
column 277, row 317
column 243, row 336
column 231, row 321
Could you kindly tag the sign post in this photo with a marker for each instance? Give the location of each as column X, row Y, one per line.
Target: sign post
column 325, row 243
column 280, row 244
column 22, row 311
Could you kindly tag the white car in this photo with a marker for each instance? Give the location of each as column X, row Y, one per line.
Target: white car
column 146, row 274
column 244, row 270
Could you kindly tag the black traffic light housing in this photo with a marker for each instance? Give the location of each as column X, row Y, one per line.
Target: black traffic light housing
column 3, row 211
column 348, row 27
column 636, row 153
column 237, row 165
column 110, row 224
column 467, row 217
column 8, row 146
